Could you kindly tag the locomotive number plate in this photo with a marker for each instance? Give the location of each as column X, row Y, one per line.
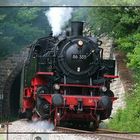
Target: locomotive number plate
column 79, row 56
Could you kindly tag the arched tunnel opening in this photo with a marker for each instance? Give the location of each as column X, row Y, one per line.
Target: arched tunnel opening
column 15, row 96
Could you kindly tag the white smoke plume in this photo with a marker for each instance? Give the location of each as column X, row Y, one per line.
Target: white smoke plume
column 57, row 17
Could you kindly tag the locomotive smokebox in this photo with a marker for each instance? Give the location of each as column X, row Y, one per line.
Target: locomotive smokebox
column 77, row 28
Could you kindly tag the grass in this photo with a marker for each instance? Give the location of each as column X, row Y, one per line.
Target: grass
column 1, row 137
column 128, row 119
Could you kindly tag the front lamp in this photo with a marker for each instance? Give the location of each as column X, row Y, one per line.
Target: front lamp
column 104, row 89
column 56, row 86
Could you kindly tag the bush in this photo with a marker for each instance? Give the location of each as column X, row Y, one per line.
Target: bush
column 128, row 119
column 134, row 59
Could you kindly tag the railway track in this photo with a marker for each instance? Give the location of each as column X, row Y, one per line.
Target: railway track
column 71, row 130
column 100, row 134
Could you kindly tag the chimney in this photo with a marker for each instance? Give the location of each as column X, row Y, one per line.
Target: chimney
column 77, row 28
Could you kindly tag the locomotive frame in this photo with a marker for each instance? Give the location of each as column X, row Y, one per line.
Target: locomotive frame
column 62, row 93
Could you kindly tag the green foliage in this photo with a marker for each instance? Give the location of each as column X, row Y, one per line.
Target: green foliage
column 27, row 14
column 2, row 17
column 134, row 58
column 20, row 27
column 128, row 119
column 80, row 14
column 115, row 2
column 131, row 46
column 126, row 44
column 101, row 19
column 115, row 21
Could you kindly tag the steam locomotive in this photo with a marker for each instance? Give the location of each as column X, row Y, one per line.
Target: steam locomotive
column 66, row 79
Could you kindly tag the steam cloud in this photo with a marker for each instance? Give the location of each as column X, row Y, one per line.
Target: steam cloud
column 57, row 17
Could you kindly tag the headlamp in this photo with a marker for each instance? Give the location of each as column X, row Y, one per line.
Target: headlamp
column 80, row 43
column 56, row 86
column 104, row 89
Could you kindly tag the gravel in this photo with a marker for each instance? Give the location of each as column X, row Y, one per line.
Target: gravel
column 24, row 130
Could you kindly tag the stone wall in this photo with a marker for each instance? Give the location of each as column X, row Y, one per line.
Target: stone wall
column 9, row 68
column 117, row 85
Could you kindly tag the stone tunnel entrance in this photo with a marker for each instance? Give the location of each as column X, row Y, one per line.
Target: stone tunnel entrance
column 11, row 92
column 10, row 79
column 15, row 96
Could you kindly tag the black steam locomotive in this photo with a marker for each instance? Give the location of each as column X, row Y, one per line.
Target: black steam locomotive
column 67, row 79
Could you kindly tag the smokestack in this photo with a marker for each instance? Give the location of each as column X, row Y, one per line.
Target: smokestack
column 77, row 28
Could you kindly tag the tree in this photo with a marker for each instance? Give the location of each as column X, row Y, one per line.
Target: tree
column 20, row 27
